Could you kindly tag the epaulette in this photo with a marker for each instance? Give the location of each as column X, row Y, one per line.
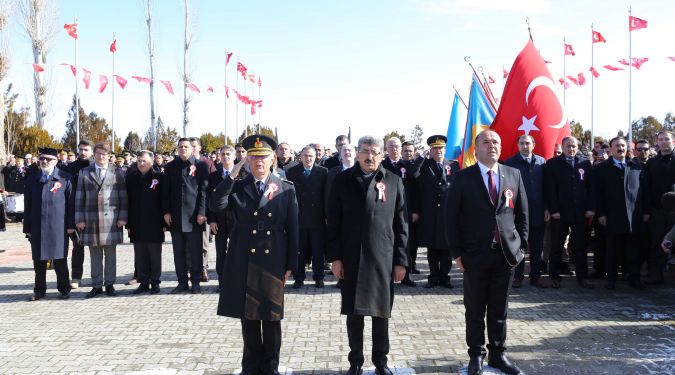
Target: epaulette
column 288, row 182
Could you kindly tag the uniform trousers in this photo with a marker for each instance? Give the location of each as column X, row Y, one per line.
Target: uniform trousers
column 622, row 246
column 577, row 242
column 262, row 344
column 487, row 280
column 60, row 267
column 148, row 261
column 380, row 340
column 97, row 267
column 187, row 244
column 77, row 259
column 440, row 262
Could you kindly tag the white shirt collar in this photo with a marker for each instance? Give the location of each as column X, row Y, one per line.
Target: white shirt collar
column 484, row 168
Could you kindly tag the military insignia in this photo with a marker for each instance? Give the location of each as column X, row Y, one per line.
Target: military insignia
column 193, row 169
column 508, row 194
column 154, row 184
column 271, row 189
column 56, row 187
column 257, row 143
column 381, row 188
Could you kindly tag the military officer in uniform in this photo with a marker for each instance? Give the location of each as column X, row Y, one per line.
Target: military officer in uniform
column 49, row 218
column 433, row 180
column 261, row 255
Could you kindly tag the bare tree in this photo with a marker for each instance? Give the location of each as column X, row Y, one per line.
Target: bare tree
column 5, row 13
column 39, row 22
column 186, row 77
column 151, row 53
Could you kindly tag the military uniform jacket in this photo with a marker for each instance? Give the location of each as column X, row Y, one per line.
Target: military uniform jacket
column 369, row 235
column 569, row 190
column 184, row 198
column 146, row 221
column 620, row 199
column 48, row 213
column 100, row 204
column 433, row 185
column 310, row 193
column 263, row 246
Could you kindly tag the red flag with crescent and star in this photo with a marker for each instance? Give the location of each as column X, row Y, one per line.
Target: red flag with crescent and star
column 635, row 23
column 598, row 38
column 71, row 29
column 530, row 105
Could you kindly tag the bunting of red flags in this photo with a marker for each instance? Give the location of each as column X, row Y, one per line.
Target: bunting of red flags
column 121, row 81
column 142, row 79
column 167, row 85
column 210, row 88
column 86, row 78
column 38, row 68
column 594, row 72
column 192, row 87
column 103, row 82
column 612, row 68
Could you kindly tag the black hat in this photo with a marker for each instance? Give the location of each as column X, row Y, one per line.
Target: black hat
column 259, row 145
column 48, row 151
column 668, row 201
column 437, row 141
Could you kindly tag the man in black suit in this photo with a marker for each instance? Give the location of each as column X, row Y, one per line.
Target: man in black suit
column 334, row 160
column 310, row 184
column 620, row 212
column 404, row 169
column 570, row 199
column 487, row 228
column 531, row 169
column 434, row 178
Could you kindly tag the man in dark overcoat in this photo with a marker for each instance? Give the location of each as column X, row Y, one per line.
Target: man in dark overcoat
column 261, row 254
column 619, row 206
column 487, row 226
column 186, row 180
column 146, row 222
column 309, row 181
column 367, row 238
column 570, row 198
column 434, row 178
column 49, row 216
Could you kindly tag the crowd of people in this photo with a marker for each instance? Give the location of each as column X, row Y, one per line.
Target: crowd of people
column 357, row 213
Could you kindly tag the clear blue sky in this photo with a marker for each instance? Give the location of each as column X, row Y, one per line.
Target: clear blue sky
column 375, row 65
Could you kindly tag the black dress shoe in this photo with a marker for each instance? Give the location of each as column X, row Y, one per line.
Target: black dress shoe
column 298, row 284
column 499, row 361
column 141, row 288
column 355, row 370
column 383, row 370
column 430, row 284
column 94, row 292
column 407, row 281
column 517, row 283
column 196, row 289
column 319, row 284
column 415, row 271
column 65, row 295
column 36, row 297
column 475, row 365
column 447, row 284
column 338, row 285
column 110, row 291
column 179, row 289
column 154, row 289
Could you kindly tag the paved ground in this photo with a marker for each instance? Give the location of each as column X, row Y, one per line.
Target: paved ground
column 565, row 331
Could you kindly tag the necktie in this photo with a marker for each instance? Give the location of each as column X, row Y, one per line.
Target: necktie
column 259, row 187
column 440, row 167
column 44, row 178
column 528, row 160
column 306, row 172
column 492, row 189
column 101, row 173
column 622, row 166
column 570, row 161
column 225, row 173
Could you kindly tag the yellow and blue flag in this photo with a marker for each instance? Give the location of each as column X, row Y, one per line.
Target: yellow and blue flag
column 480, row 116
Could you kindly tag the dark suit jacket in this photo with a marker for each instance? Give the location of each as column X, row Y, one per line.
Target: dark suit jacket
column 407, row 170
column 332, row 162
column 144, row 194
column 185, row 194
column 433, row 186
column 533, row 178
column 620, row 198
column 568, row 190
column 471, row 216
column 310, row 193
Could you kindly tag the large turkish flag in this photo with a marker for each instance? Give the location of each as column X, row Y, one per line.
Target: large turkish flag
column 530, row 105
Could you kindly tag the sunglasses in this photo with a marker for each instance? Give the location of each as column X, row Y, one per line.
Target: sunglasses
column 44, row 158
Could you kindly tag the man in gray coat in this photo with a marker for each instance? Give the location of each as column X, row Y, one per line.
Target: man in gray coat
column 100, row 213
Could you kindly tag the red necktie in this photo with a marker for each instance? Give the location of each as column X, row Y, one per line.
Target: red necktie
column 492, row 189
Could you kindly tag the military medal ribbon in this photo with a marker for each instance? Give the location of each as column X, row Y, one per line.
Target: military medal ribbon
column 154, row 184
column 271, row 189
column 57, row 186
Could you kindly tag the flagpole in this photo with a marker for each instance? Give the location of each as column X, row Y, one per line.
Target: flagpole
column 245, row 114
column 460, row 97
column 592, row 142
column 236, row 109
column 564, row 72
column 77, row 99
column 225, row 106
column 112, row 115
column 630, row 78
column 259, row 108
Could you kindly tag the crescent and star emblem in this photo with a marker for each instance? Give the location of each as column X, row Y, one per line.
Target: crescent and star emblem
column 528, row 123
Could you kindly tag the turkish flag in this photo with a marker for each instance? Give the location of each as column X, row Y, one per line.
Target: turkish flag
column 71, row 29
column 38, row 68
column 253, row 109
column 638, row 61
column 598, row 38
column 594, row 72
column 530, row 105
column 506, row 73
column 573, row 80
column 210, row 88
column 635, row 23
column 121, row 81
column 167, row 86
column 142, row 79
column 612, row 68
column 490, row 79
column 103, row 82
column 242, row 69
column 228, row 56
column 227, row 92
column 72, row 68
column 192, row 87
column 624, row 62
column 569, row 50
column 251, row 78
column 113, row 46
column 87, row 78
column 564, row 83
column 582, row 79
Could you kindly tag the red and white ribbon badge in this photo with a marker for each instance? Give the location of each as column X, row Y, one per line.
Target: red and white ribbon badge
column 56, row 187
column 381, row 189
column 508, row 194
column 193, row 169
column 402, row 172
column 271, row 189
column 581, row 174
column 154, row 184
column 448, row 170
